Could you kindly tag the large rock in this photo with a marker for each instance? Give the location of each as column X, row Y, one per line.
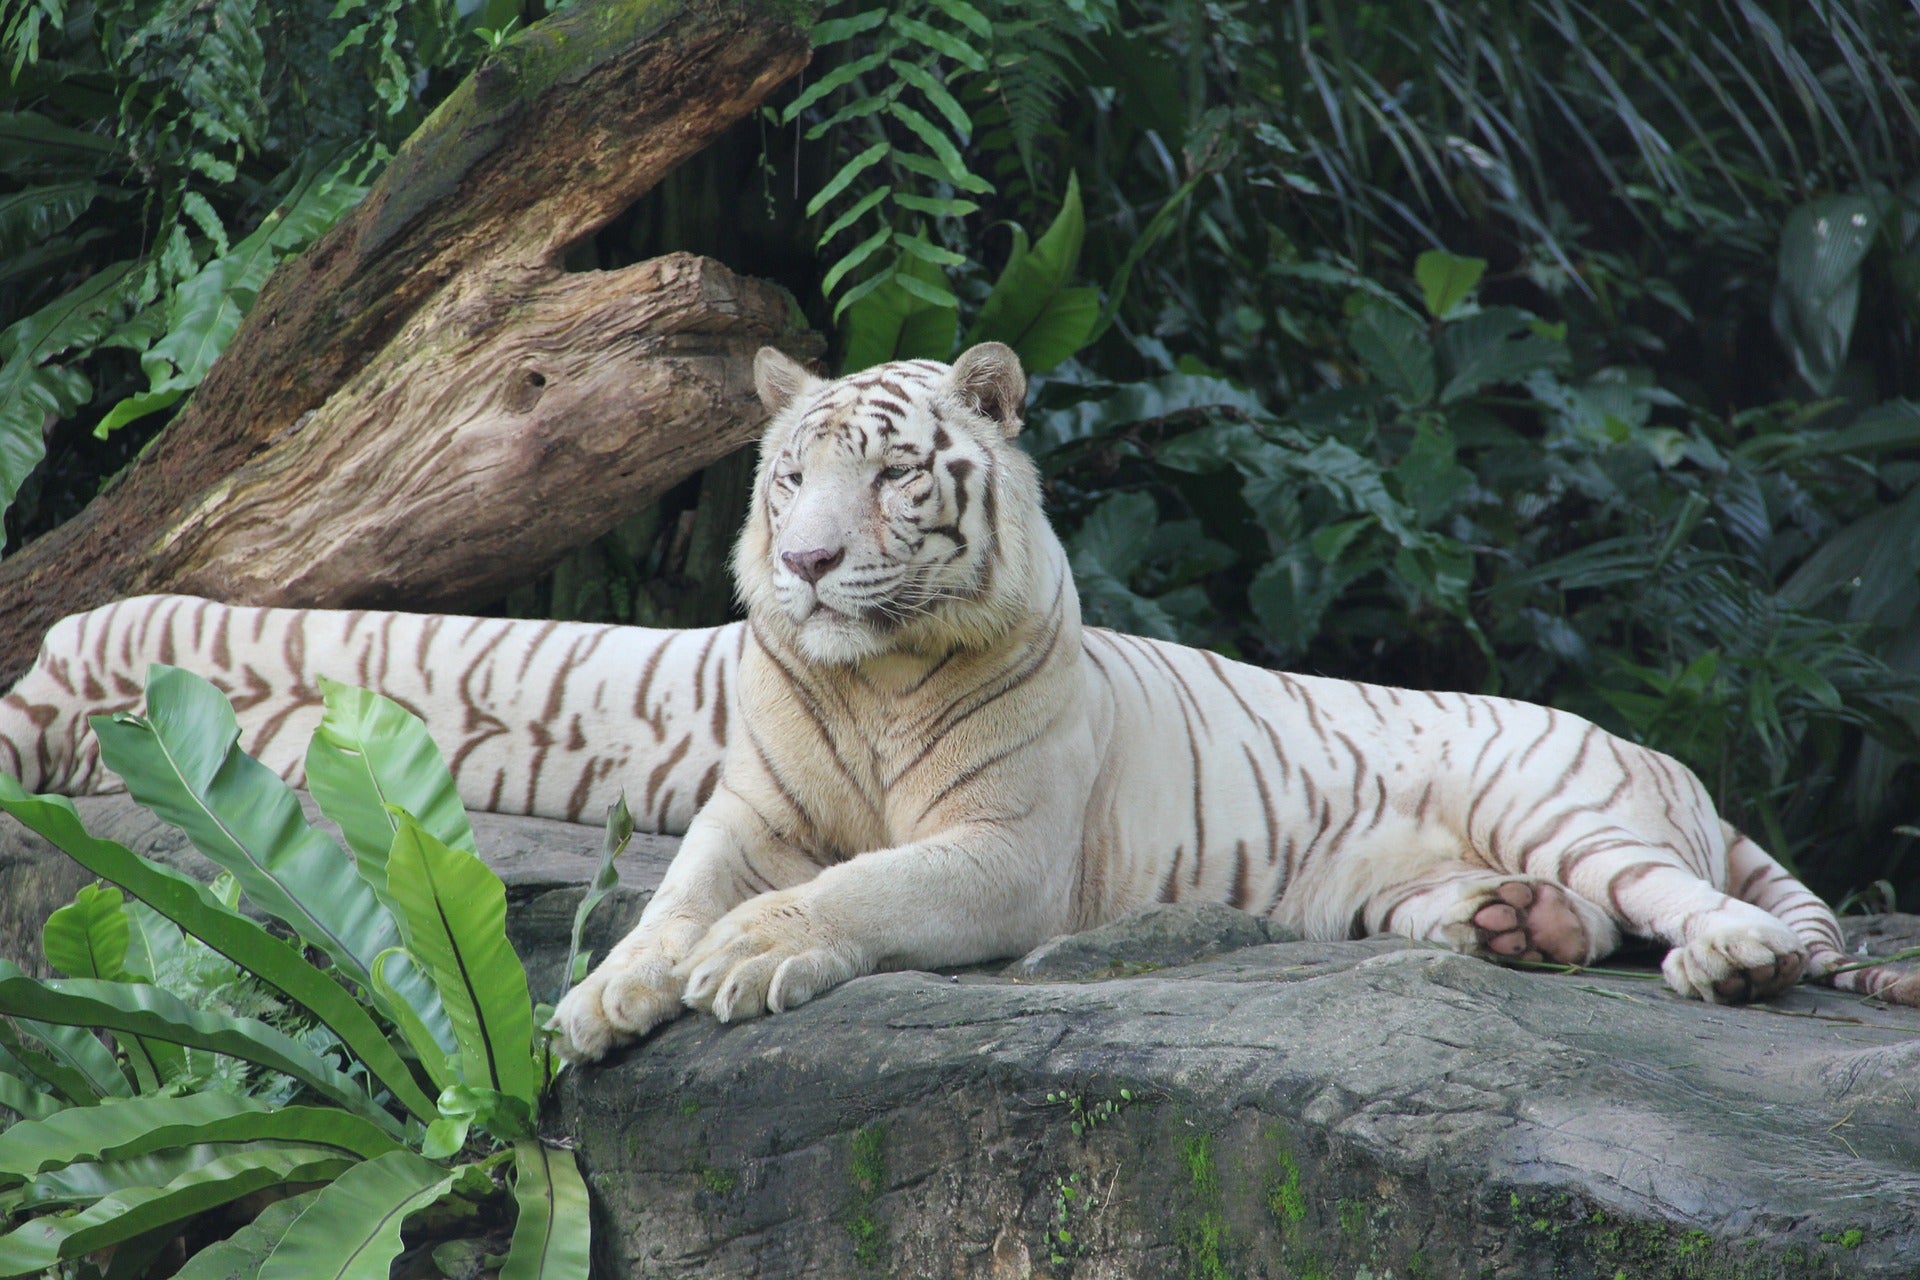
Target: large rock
column 1179, row 1096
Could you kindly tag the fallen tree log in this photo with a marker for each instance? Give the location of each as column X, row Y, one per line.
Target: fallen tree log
column 427, row 407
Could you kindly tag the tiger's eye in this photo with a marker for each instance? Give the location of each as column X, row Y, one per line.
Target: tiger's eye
column 897, row 473
column 793, row 478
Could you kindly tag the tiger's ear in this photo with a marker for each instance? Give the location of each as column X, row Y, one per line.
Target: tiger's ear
column 778, row 378
column 990, row 376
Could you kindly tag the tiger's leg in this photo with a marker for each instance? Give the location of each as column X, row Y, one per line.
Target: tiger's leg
column 1660, row 881
column 1755, row 877
column 729, row 856
column 1493, row 914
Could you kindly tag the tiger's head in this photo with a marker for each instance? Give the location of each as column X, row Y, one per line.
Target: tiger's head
column 892, row 512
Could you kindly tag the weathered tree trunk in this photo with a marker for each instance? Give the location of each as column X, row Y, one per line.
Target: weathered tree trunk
column 427, row 407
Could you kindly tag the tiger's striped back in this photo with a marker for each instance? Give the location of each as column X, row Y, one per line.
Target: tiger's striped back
column 546, row 718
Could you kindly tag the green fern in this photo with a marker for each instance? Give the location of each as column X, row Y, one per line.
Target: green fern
column 157, row 159
column 893, row 107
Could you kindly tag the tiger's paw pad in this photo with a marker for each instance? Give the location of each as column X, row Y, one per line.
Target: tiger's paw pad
column 765, row 956
column 626, row 997
column 1736, row 963
column 1538, row 920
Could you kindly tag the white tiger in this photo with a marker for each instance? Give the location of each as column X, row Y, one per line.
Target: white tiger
column 912, row 755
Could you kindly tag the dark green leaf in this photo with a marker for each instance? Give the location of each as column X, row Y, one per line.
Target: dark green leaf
column 351, row 1230
column 125, row 1128
column 143, row 1010
column 43, row 1242
column 88, row 937
column 554, row 1229
column 1032, row 308
column 1446, row 279
column 1817, row 297
column 1393, row 346
column 453, row 914
column 1498, row 345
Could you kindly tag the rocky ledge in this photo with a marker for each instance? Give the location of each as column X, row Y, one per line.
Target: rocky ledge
column 1186, row 1093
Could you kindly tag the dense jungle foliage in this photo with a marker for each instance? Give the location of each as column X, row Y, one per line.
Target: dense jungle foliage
column 1565, row 350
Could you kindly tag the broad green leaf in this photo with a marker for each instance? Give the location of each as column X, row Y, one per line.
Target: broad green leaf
column 1446, row 279
column 436, row 1046
column 88, row 937
column 1291, row 593
column 155, row 945
column 893, row 323
column 19, row 1094
column 1430, row 476
column 140, row 1009
column 351, row 1230
column 182, row 760
column 1817, row 296
column 1498, row 345
column 69, row 1083
column 1394, row 347
column 453, row 912
column 192, row 906
column 554, row 1230
column 370, row 753
column 1032, row 307
column 70, row 1044
column 1114, row 537
column 1871, row 559
column 134, row 407
column 39, row 213
column 27, row 135
column 241, row 1254
column 123, row 1128
column 40, row 1244
column 87, row 1181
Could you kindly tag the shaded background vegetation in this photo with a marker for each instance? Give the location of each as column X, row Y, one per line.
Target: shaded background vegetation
column 1555, row 349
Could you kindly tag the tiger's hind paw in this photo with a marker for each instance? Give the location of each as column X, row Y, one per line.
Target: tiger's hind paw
column 1735, row 963
column 1533, row 920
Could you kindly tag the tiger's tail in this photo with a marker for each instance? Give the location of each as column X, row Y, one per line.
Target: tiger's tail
column 1754, row 876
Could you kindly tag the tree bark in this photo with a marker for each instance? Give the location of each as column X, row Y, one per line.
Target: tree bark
column 426, row 407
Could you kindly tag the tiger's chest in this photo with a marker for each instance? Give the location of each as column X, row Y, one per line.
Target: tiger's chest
column 873, row 757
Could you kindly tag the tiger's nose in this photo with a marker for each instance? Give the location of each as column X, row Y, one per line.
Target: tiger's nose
column 812, row 565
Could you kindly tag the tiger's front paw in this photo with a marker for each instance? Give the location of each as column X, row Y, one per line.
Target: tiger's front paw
column 770, row 953
column 1736, row 962
column 633, row 991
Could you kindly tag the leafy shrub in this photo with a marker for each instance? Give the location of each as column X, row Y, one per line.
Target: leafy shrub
column 157, row 160
column 233, row 1063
